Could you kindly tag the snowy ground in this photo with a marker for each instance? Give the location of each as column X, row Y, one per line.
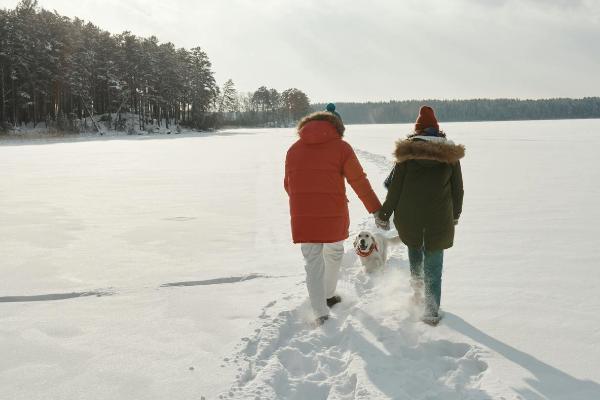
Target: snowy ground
column 86, row 129
column 162, row 268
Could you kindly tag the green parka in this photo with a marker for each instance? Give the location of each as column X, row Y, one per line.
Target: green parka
column 426, row 191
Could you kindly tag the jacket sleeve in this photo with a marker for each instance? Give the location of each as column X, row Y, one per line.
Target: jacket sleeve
column 388, row 181
column 458, row 192
column 394, row 191
column 357, row 179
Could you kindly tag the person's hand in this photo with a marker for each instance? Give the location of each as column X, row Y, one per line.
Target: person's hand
column 381, row 224
column 455, row 221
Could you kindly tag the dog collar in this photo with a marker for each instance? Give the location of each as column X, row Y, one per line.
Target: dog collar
column 368, row 252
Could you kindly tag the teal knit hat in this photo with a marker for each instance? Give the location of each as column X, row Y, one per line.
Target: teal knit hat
column 331, row 108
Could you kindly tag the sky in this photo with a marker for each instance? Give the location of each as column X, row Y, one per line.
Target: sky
column 375, row 50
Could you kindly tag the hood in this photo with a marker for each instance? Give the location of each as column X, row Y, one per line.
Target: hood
column 315, row 132
column 429, row 148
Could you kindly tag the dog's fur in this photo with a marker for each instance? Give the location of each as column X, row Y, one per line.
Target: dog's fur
column 365, row 242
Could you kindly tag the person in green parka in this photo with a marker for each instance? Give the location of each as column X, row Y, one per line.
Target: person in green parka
column 425, row 194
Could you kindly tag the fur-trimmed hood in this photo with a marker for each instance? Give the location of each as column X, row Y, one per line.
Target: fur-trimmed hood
column 333, row 119
column 429, row 148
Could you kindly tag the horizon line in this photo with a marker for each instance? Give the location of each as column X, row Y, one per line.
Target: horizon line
column 454, row 99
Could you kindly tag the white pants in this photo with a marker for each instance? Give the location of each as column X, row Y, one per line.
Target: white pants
column 323, row 261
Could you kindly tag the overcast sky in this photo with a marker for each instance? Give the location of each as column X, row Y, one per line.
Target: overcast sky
column 375, row 49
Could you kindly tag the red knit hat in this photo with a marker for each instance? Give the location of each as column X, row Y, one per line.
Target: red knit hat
column 426, row 119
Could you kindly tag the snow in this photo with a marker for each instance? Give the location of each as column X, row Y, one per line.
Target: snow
column 86, row 129
column 162, row 267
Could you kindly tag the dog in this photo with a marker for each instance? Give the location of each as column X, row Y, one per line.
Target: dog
column 372, row 249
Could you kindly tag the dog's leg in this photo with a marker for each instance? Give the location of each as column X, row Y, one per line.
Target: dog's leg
column 382, row 256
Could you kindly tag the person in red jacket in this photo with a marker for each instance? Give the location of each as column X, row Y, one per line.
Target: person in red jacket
column 315, row 168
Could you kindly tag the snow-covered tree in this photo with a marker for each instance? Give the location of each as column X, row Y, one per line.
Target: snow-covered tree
column 228, row 98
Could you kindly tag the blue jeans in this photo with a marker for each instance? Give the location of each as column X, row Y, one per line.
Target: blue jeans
column 427, row 265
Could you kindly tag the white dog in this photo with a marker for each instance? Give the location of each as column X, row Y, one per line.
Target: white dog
column 372, row 249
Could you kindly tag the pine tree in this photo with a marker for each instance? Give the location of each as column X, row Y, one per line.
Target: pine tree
column 295, row 103
column 228, row 101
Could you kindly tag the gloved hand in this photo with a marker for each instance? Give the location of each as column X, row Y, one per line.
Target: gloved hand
column 381, row 224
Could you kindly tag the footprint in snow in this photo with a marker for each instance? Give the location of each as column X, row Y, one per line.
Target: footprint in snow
column 384, row 163
column 366, row 351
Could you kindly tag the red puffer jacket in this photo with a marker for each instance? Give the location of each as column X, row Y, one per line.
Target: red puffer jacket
column 315, row 168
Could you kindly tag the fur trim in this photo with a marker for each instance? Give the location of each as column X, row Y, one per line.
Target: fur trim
column 323, row 116
column 442, row 151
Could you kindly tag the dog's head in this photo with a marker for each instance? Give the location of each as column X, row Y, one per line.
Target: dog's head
column 363, row 241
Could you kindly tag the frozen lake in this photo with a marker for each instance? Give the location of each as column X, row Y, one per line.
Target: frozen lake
column 142, row 267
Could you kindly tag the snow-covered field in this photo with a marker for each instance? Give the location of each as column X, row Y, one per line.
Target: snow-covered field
column 162, row 268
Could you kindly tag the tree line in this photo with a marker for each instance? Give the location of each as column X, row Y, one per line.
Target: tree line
column 469, row 110
column 268, row 107
column 65, row 72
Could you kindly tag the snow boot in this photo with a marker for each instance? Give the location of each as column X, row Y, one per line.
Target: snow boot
column 431, row 320
column 332, row 301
